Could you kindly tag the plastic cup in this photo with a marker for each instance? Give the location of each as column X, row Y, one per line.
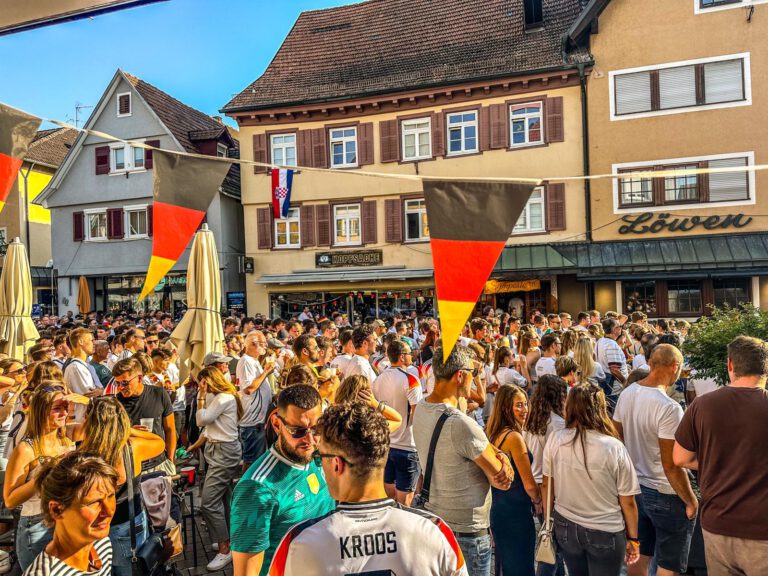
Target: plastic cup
column 189, row 472
column 147, row 423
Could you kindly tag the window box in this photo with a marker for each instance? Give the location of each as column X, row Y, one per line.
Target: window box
column 343, row 147
column 288, row 230
column 347, row 225
column 462, row 133
column 417, row 139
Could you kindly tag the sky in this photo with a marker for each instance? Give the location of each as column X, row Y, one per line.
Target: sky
column 201, row 52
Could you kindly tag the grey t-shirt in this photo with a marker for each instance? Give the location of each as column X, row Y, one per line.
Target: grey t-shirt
column 460, row 492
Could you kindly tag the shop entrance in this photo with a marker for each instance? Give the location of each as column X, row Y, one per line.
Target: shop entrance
column 520, row 298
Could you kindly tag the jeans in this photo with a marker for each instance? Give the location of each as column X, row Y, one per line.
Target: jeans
column 477, row 554
column 589, row 552
column 664, row 529
column 31, row 538
column 120, row 537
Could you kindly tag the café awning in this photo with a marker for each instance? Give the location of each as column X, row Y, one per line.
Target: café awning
column 376, row 274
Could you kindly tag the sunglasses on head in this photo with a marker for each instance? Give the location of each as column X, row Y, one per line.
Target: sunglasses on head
column 52, row 388
column 297, row 432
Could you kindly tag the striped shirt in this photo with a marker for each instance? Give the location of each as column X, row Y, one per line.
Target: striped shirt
column 47, row 565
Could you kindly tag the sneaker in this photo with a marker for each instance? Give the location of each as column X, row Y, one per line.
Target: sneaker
column 219, row 562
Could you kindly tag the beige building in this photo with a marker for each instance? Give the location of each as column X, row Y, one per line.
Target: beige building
column 411, row 87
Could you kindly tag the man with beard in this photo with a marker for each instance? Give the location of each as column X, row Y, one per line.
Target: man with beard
column 283, row 487
column 307, row 352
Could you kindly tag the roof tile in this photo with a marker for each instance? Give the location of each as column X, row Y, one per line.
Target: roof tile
column 51, row 146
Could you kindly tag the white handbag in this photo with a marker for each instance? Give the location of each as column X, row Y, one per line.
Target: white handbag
column 545, row 542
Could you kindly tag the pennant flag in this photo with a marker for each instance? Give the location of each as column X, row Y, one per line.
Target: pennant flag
column 469, row 224
column 17, row 130
column 183, row 188
column 282, row 180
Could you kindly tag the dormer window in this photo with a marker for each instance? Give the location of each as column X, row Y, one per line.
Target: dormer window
column 124, row 104
column 221, row 150
column 534, row 14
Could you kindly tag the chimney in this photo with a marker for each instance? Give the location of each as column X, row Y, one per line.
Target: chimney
column 218, row 119
column 534, row 14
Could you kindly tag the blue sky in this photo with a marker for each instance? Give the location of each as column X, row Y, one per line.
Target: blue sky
column 199, row 51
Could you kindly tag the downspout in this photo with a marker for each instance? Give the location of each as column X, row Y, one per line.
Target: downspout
column 585, row 151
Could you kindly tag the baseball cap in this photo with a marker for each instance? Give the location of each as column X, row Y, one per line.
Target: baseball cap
column 275, row 344
column 215, row 358
column 379, row 323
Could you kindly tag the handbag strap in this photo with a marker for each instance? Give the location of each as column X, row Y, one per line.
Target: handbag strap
column 431, row 456
column 128, row 463
column 548, row 516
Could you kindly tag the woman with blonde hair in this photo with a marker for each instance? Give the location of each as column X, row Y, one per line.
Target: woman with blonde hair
column 529, row 350
column 358, row 388
column 590, row 370
column 569, row 339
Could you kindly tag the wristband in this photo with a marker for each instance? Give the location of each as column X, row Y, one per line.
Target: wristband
column 381, row 407
column 634, row 541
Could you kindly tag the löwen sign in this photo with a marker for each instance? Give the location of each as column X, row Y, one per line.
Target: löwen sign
column 665, row 222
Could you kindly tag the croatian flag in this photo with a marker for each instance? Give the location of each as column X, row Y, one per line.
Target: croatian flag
column 282, row 179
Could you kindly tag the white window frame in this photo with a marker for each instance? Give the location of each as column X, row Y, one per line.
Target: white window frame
column 284, row 147
column 697, row 9
column 287, row 221
column 527, row 211
column 130, row 104
column 87, row 225
column 344, row 140
column 418, row 133
column 747, row 87
column 221, row 150
column 128, row 159
column 461, row 126
column 421, row 211
column 750, row 156
column 360, row 224
column 512, row 118
column 127, row 221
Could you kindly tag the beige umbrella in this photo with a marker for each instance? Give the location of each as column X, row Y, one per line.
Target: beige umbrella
column 83, row 296
column 17, row 330
column 199, row 331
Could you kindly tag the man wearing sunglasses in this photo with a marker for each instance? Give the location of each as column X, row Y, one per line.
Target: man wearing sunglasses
column 283, row 487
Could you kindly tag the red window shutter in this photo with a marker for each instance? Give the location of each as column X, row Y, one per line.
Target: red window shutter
column 555, row 128
column 555, row 206
column 150, row 223
column 365, row 143
column 319, row 148
column 484, row 127
column 369, row 222
column 393, row 221
column 115, row 224
column 148, row 162
column 323, row 216
column 102, row 160
column 78, row 227
column 499, row 126
column 304, row 145
column 389, row 141
column 438, row 134
column 259, row 152
column 264, row 228
column 307, row 225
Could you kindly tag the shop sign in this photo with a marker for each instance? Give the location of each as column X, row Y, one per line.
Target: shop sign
column 500, row 287
column 248, row 265
column 236, row 302
column 356, row 258
column 655, row 222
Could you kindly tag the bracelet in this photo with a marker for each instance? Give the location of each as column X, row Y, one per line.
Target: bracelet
column 634, row 541
column 381, row 407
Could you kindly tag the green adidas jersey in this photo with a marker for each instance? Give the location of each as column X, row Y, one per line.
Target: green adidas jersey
column 272, row 496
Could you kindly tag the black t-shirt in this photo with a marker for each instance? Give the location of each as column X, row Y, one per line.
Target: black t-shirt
column 153, row 403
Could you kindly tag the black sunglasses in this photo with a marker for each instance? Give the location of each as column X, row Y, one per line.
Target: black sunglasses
column 297, row 432
column 339, row 456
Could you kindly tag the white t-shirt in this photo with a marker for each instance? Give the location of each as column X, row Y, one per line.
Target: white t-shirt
column 590, row 502
column 248, row 369
column 400, row 390
column 360, row 365
column 701, row 385
column 341, row 363
column 545, row 365
column 78, row 379
column 509, row 376
column 639, row 363
column 536, row 443
column 647, row 415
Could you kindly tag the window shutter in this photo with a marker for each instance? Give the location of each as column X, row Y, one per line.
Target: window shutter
column 124, row 104
column 115, row 223
column 150, row 223
column 307, row 224
column 323, row 215
column 393, row 221
column 369, row 222
column 148, row 162
column 102, row 160
column 555, row 129
column 662, row 298
column 484, row 127
column 724, row 81
column 264, row 228
column 304, row 145
column 555, row 206
column 78, row 226
column 728, row 186
column 259, row 152
column 633, row 92
column 319, row 148
column 389, row 141
column 499, row 126
column 438, row 134
column 677, row 87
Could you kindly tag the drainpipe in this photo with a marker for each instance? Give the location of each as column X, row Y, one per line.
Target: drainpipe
column 585, row 151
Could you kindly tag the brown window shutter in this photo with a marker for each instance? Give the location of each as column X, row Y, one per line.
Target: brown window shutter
column 124, row 104
column 323, row 216
column 264, row 228
column 365, row 143
column 438, row 134
column 393, row 221
column 115, row 224
column 319, row 148
column 78, row 226
column 304, row 144
column 150, row 223
column 259, row 152
column 102, row 160
column 148, row 162
column 369, row 222
column 555, row 128
column 707, row 295
column 484, row 127
column 499, row 126
column 389, row 141
column 662, row 298
column 307, row 224
column 555, row 206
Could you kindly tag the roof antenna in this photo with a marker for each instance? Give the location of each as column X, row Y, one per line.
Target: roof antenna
column 78, row 107
column 750, row 11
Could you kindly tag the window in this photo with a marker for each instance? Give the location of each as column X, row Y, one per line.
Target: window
column 636, row 191
column 96, row 225
column 682, row 188
column 221, row 150
column 526, row 124
column 343, row 148
column 346, row 219
column 118, row 159
column 3, row 240
column 705, row 6
column 123, row 104
column 416, row 227
column 287, row 233
column 684, row 296
column 640, row 297
column 138, row 157
column 462, row 133
column 136, row 221
column 417, row 139
column 283, row 149
column 532, row 217
column 681, row 87
column 713, row 3
column 731, row 291
column 124, row 157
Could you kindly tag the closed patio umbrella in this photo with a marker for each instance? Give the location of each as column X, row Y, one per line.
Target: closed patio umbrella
column 200, row 331
column 17, row 331
column 83, row 296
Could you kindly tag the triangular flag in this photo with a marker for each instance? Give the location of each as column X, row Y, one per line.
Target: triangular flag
column 183, row 188
column 17, row 130
column 469, row 224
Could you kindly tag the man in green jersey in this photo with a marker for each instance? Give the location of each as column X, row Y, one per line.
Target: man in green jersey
column 283, row 487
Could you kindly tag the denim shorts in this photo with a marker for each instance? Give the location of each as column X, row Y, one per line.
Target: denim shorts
column 254, row 442
column 477, row 554
column 402, row 469
column 120, row 537
column 664, row 529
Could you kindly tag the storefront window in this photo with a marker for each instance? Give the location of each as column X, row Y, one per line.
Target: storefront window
column 684, row 296
column 731, row 291
column 640, row 297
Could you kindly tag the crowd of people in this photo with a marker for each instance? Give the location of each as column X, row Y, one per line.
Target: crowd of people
column 331, row 448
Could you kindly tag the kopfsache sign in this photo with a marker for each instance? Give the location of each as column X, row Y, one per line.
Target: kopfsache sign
column 342, row 259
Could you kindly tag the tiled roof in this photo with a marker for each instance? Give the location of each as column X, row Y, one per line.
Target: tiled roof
column 383, row 46
column 208, row 134
column 51, row 146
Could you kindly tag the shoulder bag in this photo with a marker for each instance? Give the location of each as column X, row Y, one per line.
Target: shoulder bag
column 545, row 541
column 422, row 497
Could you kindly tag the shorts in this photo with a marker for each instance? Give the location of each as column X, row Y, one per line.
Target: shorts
column 254, row 442
column 402, row 469
column 664, row 529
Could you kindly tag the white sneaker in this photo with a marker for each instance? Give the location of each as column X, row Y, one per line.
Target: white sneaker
column 219, row 562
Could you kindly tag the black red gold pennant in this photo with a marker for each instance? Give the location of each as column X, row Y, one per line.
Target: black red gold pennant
column 17, row 130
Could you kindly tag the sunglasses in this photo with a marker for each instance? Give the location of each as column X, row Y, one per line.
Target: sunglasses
column 339, row 456
column 473, row 371
column 21, row 370
column 297, row 432
column 124, row 383
column 52, row 388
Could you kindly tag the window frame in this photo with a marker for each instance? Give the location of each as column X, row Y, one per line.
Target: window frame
column 128, row 159
column 344, row 140
column 685, row 313
column 287, row 221
column 510, row 119
column 526, row 211
column 699, row 8
column 335, row 218
column 421, row 212
column 87, row 225
column 417, row 133
column 127, row 211
column 462, row 126
column 643, row 288
column 272, row 146
column 130, row 104
column 747, row 280
column 221, row 150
